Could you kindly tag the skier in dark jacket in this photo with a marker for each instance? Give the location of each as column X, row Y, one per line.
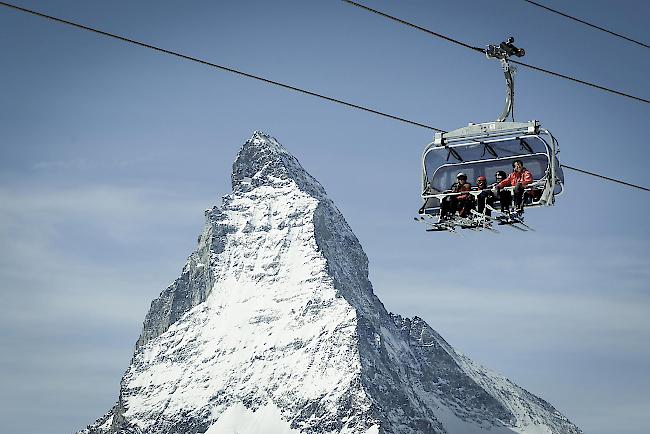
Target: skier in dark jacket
column 486, row 195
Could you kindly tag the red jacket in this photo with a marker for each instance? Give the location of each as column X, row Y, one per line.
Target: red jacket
column 524, row 177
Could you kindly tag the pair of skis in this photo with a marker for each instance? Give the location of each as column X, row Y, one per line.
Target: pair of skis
column 477, row 222
column 514, row 219
column 453, row 223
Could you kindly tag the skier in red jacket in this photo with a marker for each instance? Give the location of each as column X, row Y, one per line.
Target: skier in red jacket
column 519, row 179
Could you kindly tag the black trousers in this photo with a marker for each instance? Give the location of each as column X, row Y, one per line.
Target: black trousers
column 505, row 197
column 485, row 196
column 449, row 205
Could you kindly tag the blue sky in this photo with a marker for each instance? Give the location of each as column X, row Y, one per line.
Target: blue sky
column 109, row 154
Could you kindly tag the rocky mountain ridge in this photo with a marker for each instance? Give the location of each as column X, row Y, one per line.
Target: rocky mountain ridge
column 273, row 327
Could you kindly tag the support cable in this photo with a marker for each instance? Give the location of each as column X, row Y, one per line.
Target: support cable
column 214, row 65
column 607, row 178
column 577, row 80
column 415, row 26
column 477, row 49
column 276, row 83
column 586, row 23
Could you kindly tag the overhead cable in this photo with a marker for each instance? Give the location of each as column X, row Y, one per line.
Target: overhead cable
column 586, row 23
column 604, row 177
column 415, row 26
column 265, row 80
column 577, row 80
column 477, row 49
column 214, row 65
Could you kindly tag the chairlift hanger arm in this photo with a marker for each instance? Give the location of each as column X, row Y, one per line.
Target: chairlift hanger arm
column 502, row 52
column 510, row 91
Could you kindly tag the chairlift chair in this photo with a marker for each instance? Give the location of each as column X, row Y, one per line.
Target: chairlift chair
column 482, row 149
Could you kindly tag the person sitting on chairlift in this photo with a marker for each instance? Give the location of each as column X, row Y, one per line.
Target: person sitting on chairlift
column 462, row 203
column 486, row 195
column 519, row 179
column 466, row 201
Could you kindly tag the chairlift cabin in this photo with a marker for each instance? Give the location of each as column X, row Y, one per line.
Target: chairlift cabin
column 483, row 149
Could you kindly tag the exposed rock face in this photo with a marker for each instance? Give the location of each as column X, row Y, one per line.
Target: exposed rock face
column 273, row 327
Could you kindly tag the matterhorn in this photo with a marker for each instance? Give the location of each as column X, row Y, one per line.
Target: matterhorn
column 273, row 328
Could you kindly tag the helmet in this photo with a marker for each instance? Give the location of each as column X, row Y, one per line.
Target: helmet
column 481, row 178
column 461, row 175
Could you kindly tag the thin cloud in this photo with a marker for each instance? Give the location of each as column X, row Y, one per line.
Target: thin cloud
column 74, row 253
column 85, row 164
column 593, row 321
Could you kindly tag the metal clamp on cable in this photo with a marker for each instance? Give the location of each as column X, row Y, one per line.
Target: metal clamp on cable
column 504, row 50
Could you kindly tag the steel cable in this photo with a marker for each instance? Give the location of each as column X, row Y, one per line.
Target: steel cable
column 477, row 49
column 276, row 83
column 586, row 23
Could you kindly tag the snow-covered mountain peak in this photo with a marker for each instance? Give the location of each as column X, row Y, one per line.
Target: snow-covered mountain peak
column 273, row 328
column 263, row 160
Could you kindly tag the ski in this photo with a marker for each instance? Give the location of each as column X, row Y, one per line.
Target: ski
column 476, row 221
column 438, row 226
column 512, row 225
column 484, row 221
column 510, row 218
